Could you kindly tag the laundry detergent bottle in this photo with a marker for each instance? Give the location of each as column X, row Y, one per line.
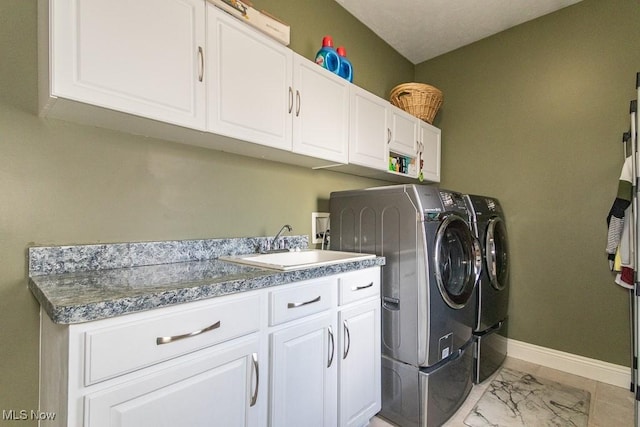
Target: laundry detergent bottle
column 327, row 56
column 346, row 69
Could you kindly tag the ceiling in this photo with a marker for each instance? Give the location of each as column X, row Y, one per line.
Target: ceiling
column 424, row 29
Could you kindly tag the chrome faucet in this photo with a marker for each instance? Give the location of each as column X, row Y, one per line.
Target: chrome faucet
column 274, row 243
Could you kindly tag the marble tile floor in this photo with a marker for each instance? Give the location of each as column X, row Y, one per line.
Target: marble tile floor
column 611, row 406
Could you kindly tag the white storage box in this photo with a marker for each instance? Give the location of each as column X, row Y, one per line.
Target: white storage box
column 258, row 19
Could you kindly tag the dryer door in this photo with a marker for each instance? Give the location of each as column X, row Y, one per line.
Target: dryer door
column 497, row 254
column 457, row 260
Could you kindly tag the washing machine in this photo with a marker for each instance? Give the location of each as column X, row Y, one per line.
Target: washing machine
column 491, row 320
column 433, row 261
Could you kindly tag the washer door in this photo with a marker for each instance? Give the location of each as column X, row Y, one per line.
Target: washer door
column 497, row 254
column 457, row 260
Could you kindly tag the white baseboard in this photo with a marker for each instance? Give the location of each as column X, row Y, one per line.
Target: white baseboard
column 578, row 365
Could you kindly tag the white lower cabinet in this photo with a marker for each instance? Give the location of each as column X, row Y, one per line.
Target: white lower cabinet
column 305, row 353
column 323, row 373
column 196, row 364
column 303, row 373
column 360, row 389
column 218, row 387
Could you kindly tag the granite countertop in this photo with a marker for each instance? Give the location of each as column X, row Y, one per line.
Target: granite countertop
column 77, row 284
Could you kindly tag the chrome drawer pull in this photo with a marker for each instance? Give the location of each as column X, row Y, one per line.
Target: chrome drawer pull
column 300, row 304
column 254, row 360
column 359, row 288
column 347, row 337
column 201, row 63
column 290, row 99
column 333, row 347
column 167, row 340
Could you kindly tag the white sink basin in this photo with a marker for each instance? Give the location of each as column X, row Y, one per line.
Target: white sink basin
column 297, row 259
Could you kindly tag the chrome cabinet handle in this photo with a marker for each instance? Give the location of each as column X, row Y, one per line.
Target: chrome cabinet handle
column 333, row 347
column 347, row 337
column 300, row 304
column 297, row 103
column 359, row 288
column 290, row 99
column 167, row 340
column 388, row 135
column 201, row 59
column 254, row 360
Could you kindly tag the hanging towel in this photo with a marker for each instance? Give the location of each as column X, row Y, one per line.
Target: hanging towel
column 614, row 235
column 620, row 250
column 625, row 278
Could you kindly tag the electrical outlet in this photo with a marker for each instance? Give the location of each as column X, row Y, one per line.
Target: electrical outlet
column 319, row 226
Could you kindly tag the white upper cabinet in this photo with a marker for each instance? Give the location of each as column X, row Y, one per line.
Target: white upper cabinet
column 321, row 112
column 142, row 57
column 206, row 78
column 430, row 151
column 369, row 133
column 262, row 92
column 404, row 128
column 249, row 85
column 388, row 143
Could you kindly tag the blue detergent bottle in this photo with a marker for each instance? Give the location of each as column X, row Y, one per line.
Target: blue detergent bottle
column 327, row 56
column 346, row 69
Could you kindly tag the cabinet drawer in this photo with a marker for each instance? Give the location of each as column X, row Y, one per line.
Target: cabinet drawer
column 122, row 348
column 359, row 285
column 301, row 300
column 208, row 387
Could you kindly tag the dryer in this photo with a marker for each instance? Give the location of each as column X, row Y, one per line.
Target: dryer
column 490, row 327
column 433, row 262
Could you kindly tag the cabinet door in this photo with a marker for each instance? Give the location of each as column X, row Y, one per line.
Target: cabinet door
column 403, row 127
column 321, row 112
column 304, row 373
column 430, row 150
column 122, row 55
column 359, row 377
column 369, row 133
column 211, row 386
column 249, row 86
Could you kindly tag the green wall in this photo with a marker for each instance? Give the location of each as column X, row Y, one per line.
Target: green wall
column 535, row 116
column 377, row 67
column 62, row 183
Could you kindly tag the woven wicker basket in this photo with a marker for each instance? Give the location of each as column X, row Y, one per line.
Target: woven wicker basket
column 418, row 99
